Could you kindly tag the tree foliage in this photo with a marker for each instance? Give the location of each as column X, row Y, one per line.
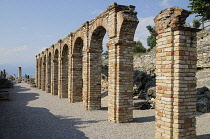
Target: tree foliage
column 195, row 24
column 105, row 55
column 201, row 7
column 151, row 40
column 139, row 48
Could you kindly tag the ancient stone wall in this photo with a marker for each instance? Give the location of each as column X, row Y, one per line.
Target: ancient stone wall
column 80, row 53
column 145, row 62
column 203, row 50
column 72, row 67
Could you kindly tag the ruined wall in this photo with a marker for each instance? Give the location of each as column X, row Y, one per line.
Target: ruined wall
column 145, row 62
column 72, row 67
column 175, row 76
column 203, row 64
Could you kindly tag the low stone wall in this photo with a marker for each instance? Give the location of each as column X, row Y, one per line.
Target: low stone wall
column 203, row 49
column 145, row 62
column 203, row 63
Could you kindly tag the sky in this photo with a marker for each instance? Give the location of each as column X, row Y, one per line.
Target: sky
column 28, row 27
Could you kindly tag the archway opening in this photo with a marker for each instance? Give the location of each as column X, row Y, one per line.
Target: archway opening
column 40, row 73
column 104, row 73
column 64, row 72
column 77, row 72
column 95, row 71
column 44, row 73
column 55, row 79
column 49, row 74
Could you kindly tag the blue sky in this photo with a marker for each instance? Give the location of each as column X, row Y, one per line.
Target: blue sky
column 29, row 26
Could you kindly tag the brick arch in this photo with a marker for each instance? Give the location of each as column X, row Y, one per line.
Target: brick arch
column 97, row 38
column 78, row 46
column 63, row 48
column 119, row 22
column 55, row 72
column 127, row 27
column 63, row 91
column 93, row 98
column 76, row 35
column 76, row 80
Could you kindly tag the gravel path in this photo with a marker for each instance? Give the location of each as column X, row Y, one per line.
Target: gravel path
column 33, row 114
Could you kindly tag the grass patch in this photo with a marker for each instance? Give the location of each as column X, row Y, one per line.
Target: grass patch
column 140, row 54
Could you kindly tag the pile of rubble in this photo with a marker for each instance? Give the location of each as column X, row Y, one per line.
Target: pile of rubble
column 4, row 84
column 31, row 81
column 203, row 100
column 144, row 91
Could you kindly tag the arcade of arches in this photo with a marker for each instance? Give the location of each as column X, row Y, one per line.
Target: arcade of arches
column 71, row 68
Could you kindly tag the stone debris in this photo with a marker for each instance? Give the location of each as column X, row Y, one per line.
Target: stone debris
column 4, row 95
column 203, row 100
column 4, row 84
column 31, row 81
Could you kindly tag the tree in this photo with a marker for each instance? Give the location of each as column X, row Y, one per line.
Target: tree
column 139, row 48
column 196, row 23
column 151, row 40
column 201, row 7
column 105, row 55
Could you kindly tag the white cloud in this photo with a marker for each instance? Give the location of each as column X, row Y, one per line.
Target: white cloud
column 165, row 3
column 97, row 11
column 141, row 32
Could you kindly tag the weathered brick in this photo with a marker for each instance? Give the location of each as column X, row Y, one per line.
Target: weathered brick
column 178, row 72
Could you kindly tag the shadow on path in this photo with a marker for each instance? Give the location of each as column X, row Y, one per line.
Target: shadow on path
column 206, row 136
column 144, row 119
column 20, row 121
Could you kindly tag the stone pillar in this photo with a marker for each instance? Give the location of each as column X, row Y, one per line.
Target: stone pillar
column 120, row 103
column 92, row 67
column 175, row 76
column 19, row 73
column 85, row 80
